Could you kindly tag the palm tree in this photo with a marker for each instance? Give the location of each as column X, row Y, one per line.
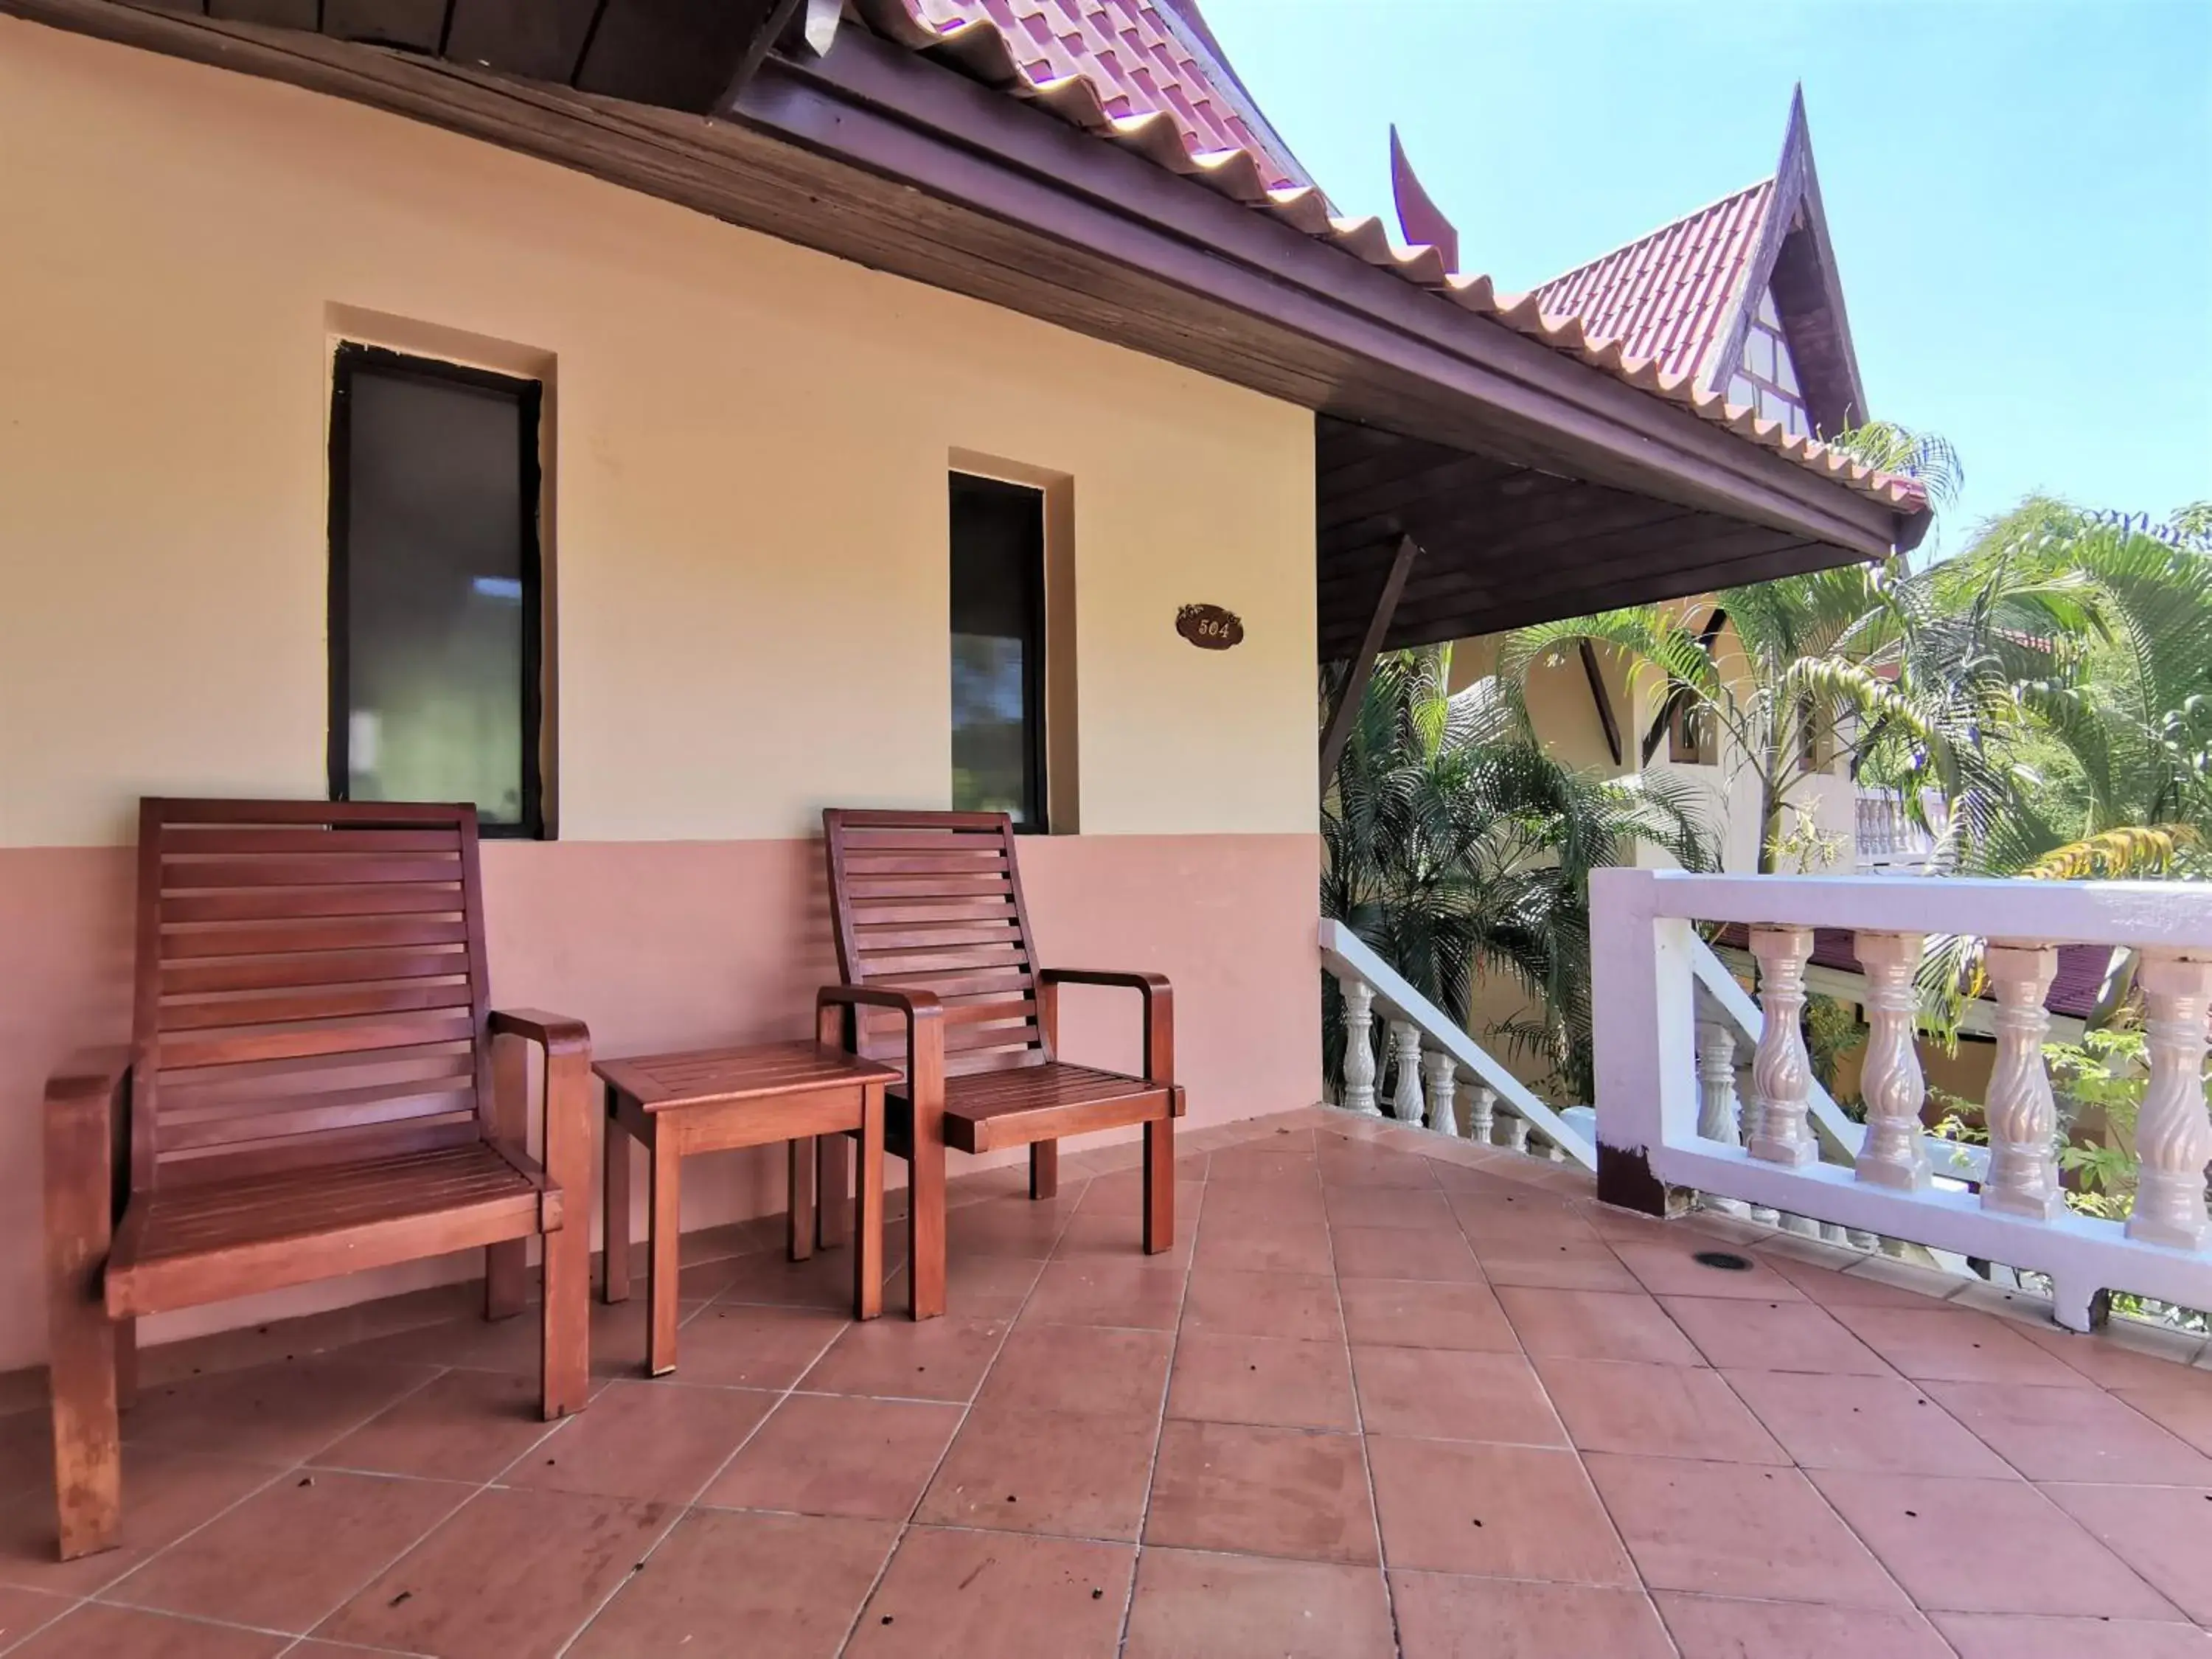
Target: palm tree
column 1456, row 846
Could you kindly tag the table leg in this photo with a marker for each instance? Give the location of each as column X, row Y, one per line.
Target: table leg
column 833, row 1213
column 614, row 1285
column 868, row 1240
column 667, row 1230
column 799, row 1217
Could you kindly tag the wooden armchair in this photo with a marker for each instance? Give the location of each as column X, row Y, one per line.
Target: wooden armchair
column 940, row 974
column 313, row 1088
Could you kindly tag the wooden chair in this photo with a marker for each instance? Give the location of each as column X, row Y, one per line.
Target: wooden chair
column 312, row 1089
column 933, row 933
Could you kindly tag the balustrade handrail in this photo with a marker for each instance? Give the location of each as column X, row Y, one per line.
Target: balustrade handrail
column 1345, row 954
column 1645, row 984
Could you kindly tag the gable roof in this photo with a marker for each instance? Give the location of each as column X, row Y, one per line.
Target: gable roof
column 1018, row 47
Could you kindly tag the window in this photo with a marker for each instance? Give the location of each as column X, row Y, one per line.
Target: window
column 434, row 617
column 1690, row 734
column 998, row 649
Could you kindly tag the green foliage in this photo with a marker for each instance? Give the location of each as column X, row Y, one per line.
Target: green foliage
column 1833, row 1030
column 1456, row 845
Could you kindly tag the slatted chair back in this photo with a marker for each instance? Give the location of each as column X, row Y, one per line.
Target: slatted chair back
column 933, row 901
column 310, row 987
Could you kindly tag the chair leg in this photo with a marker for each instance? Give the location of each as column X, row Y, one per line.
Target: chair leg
column 1044, row 1169
column 1159, row 1185
column 661, row 1271
column 798, row 1216
column 613, row 1283
column 88, row 1436
column 833, row 1199
column 924, row 1229
column 507, row 1278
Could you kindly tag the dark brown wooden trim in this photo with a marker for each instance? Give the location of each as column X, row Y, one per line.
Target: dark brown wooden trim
column 1363, row 664
column 1599, row 697
column 1706, row 636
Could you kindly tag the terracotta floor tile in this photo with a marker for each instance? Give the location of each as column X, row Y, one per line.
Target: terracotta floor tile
column 1430, row 1254
column 1956, row 1345
column 1262, row 1245
column 790, row 1583
column 2126, row 1354
column 1670, row 1268
column 2185, row 1412
column 165, row 1495
column 1007, row 1226
column 1657, row 1411
column 1190, row 1606
column 1075, row 1473
column 275, row 1415
column 899, row 1358
column 1261, row 1492
column 976, row 1287
column 465, row 1425
column 1261, row 1379
column 1235, row 1208
column 1450, row 1394
column 743, row 1346
column 1121, row 1195
column 824, row 1280
column 1416, row 1313
column 1496, row 1214
column 1442, row 1617
column 2028, row 1555
column 1261, row 1165
column 1079, row 1368
column 1117, row 1235
column 516, row 1345
column 1500, row 1511
column 1874, row 1288
column 1796, row 1335
column 1372, row 1167
column 658, row 1441
column 2072, row 1434
column 2024, row 1635
column 1092, row 1291
column 514, row 1573
column 1553, row 1264
column 1873, row 1422
column 23, row 1611
column 99, row 1632
column 1709, row 1627
column 1229, row 1303
column 288, row 1556
column 27, row 1456
column 1388, row 1206
column 842, row 1454
column 1596, row 1325
column 2163, row 1532
column 996, row 1595
column 1739, row 1530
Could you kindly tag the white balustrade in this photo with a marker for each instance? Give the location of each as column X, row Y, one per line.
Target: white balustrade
column 1890, row 1081
column 1359, row 1048
column 1405, row 1051
column 1780, row 1071
column 1440, row 1085
column 2174, row 1135
column 1516, row 1133
column 2022, row 1112
column 1481, row 1112
column 1663, row 1084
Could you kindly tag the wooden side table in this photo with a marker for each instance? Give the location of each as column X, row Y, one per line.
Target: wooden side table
column 713, row 1100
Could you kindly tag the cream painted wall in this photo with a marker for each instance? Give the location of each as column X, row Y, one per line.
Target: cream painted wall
column 749, row 478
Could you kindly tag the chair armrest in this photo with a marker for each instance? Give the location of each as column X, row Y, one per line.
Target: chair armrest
column 1159, row 999
column 924, row 1014
column 88, row 1160
column 554, row 1033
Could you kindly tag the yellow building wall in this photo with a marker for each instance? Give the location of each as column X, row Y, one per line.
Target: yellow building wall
column 747, row 569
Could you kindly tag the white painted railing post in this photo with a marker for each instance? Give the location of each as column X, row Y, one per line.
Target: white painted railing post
column 1405, row 1090
column 1481, row 1112
column 2173, row 1136
column 1516, row 1133
column 2023, row 1117
column 1891, row 1082
column 1441, row 1085
column 1782, row 1071
column 1359, row 1048
column 1718, row 1111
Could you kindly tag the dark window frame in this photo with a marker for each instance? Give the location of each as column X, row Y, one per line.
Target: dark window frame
column 1037, row 803
column 350, row 358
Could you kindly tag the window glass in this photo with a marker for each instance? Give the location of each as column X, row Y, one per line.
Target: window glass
column 998, row 649
column 434, row 587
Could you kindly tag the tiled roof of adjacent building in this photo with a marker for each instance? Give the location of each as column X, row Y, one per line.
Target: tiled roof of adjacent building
column 1198, row 122
column 1666, row 295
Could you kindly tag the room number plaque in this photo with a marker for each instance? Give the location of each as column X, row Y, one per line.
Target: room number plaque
column 1209, row 627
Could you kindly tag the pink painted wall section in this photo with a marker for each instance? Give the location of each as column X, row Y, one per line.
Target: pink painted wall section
column 671, row 944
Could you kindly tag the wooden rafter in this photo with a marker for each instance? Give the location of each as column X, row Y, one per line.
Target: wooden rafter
column 1362, row 665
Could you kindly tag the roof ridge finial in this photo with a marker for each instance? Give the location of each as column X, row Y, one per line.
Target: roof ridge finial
column 1420, row 221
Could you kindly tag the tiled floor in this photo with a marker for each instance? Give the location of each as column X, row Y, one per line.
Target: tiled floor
column 1390, row 1396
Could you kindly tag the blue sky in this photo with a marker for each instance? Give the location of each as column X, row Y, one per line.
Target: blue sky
column 2019, row 191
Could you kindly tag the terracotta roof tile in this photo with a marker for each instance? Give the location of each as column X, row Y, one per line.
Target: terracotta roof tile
column 1666, row 295
column 988, row 39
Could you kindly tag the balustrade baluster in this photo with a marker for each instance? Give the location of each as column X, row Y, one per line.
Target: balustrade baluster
column 1891, row 1083
column 1441, row 1087
column 1359, row 1048
column 1517, row 1132
column 1405, row 1085
column 1481, row 1112
column 1719, row 1113
column 1782, row 1071
column 2023, row 1117
column 2173, row 1136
